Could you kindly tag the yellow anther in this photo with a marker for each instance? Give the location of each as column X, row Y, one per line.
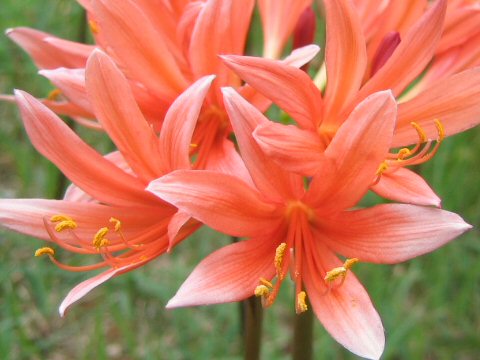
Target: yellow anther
column 266, row 283
column 350, row 262
column 99, row 239
column 440, row 129
column 301, row 302
column 335, row 273
column 45, row 251
column 279, row 256
column 60, row 217
column 116, row 223
column 93, row 26
column 403, row 153
column 193, row 145
column 54, row 94
column 262, row 290
column 65, row 225
column 382, row 168
column 421, row 134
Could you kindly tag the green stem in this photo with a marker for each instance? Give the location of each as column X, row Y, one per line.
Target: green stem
column 253, row 316
column 303, row 336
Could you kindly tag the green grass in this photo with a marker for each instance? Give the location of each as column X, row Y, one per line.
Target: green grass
column 429, row 306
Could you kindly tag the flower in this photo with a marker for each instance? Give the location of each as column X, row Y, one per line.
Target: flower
column 107, row 213
column 298, row 230
column 448, row 107
column 188, row 38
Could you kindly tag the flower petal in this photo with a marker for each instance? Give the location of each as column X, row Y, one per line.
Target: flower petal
column 405, row 186
column 71, row 82
column 411, row 56
column 288, row 87
column 221, row 28
column 279, row 18
column 78, row 161
column 346, row 55
column 227, row 275
column 357, row 149
column 131, row 35
column 221, row 201
column 270, row 179
column 453, row 101
column 391, row 233
column 346, row 311
column 46, row 54
column 180, row 121
column 117, row 111
column 292, row 148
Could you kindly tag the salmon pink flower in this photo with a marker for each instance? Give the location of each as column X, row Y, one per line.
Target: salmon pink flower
column 447, row 108
column 301, row 231
column 189, row 36
column 107, row 214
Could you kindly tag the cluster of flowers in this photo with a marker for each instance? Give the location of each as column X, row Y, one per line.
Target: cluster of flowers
column 168, row 82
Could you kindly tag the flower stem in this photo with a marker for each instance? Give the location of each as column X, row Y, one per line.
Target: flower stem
column 252, row 335
column 303, row 336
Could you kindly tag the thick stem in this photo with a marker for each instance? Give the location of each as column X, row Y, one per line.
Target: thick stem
column 303, row 336
column 253, row 316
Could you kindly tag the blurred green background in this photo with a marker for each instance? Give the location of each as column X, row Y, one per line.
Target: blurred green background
column 430, row 306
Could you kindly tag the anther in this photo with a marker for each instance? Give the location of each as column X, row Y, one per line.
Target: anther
column 261, row 290
column 265, row 282
column 54, row 94
column 340, row 272
column 45, row 251
column 64, row 222
column 279, row 256
column 116, row 223
column 93, row 26
column 99, row 239
column 301, row 302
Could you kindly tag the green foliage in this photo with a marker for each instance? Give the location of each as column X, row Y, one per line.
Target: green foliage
column 429, row 305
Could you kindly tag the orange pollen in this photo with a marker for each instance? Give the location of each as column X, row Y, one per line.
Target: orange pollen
column 45, row 251
column 339, row 273
column 99, row 239
column 278, row 261
column 301, row 302
column 94, row 28
column 54, row 94
column 423, row 151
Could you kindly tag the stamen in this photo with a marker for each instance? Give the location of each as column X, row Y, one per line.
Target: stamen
column 64, row 222
column 262, row 290
column 265, row 282
column 93, row 26
column 339, row 272
column 45, row 251
column 117, row 224
column 301, row 302
column 99, row 239
column 422, row 152
column 279, row 256
column 54, row 94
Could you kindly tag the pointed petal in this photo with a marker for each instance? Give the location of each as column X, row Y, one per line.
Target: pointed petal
column 27, row 216
column 453, row 101
column 180, row 121
column 176, row 223
column 279, row 18
column 358, row 148
column 346, row 55
column 118, row 112
column 294, row 149
column 78, row 161
column 227, row 275
column 346, row 312
column 405, row 186
column 290, row 88
column 44, row 53
column 391, row 233
column 412, row 55
column 221, row 28
column 71, row 82
column 139, row 46
column 301, row 56
column 270, row 179
column 218, row 200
